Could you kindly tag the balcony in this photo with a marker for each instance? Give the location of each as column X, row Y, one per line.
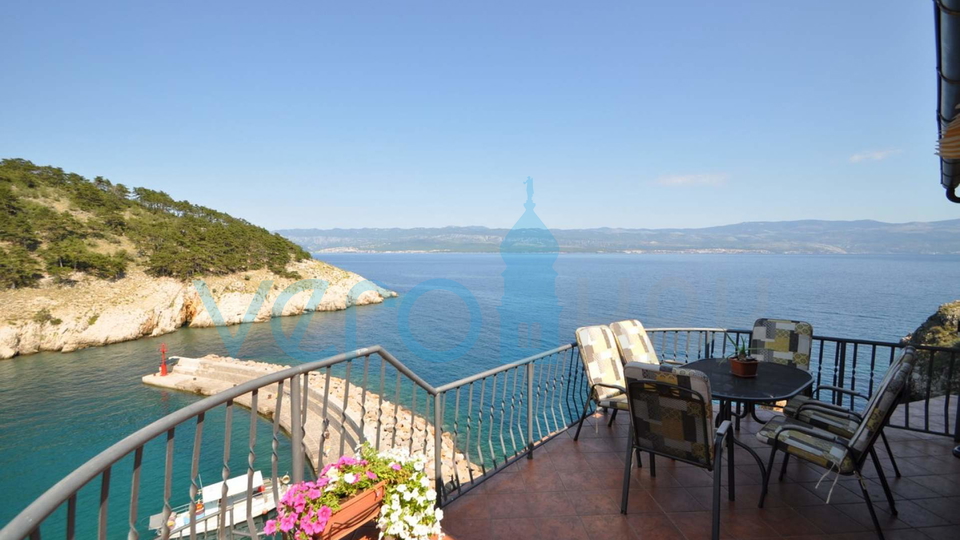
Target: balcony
column 571, row 490
column 502, row 458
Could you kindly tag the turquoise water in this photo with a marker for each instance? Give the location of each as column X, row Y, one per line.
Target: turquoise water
column 58, row 410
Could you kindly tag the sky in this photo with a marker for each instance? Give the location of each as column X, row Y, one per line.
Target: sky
column 427, row 114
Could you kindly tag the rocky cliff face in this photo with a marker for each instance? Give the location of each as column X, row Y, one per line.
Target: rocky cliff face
column 942, row 329
column 96, row 312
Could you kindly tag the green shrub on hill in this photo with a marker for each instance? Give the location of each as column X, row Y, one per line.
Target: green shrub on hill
column 51, row 220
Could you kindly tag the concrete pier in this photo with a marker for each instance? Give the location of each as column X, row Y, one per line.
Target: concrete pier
column 367, row 417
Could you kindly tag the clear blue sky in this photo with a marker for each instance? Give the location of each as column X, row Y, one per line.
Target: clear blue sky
column 411, row 113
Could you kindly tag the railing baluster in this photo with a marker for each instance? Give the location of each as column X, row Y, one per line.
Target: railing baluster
column 529, row 377
column 296, row 433
column 71, row 519
column 383, row 382
column 324, row 423
column 926, row 401
column 104, row 502
column 167, row 486
column 344, row 407
column 513, row 410
column 304, row 409
column 195, row 473
column 225, row 471
column 853, row 374
column 946, row 400
column 132, row 534
column 396, row 409
column 438, row 444
column 413, row 416
column 251, row 460
column 274, row 445
column 503, row 414
column 490, row 425
column 363, row 398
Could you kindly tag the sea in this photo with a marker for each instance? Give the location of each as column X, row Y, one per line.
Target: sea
column 57, row 410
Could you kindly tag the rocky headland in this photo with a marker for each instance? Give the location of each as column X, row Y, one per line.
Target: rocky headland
column 93, row 312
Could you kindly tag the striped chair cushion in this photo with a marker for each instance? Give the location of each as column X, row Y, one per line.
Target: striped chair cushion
column 633, row 342
column 782, row 341
column 667, row 421
column 883, row 400
column 601, row 359
column 821, row 452
column 616, row 402
column 794, row 403
column 837, row 425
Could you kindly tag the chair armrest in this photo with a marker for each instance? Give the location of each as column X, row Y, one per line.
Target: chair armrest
column 837, row 389
column 673, row 362
column 718, row 443
column 605, row 385
column 811, row 432
column 831, row 410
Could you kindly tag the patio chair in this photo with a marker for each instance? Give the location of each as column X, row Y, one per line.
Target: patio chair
column 782, row 341
column 604, row 369
column 671, row 415
column 633, row 342
column 844, row 455
column 842, row 421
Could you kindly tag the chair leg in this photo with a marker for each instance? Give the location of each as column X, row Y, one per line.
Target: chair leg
column 731, row 488
column 783, row 467
column 612, row 417
column 768, row 473
column 586, row 409
column 717, row 472
column 626, row 473
column 873, row 513
column 883, row 481
column 736, row 423
column 653, row 465
column 639, row 461
column 893, row 460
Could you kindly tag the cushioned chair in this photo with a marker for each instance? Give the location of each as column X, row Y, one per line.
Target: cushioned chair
column 782, row 341
column 671, row 415
column 842, row 421
column 604, row 369
column 844, row 455
column 633, row 342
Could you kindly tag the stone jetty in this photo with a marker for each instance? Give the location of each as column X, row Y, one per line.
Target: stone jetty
column 367, row 417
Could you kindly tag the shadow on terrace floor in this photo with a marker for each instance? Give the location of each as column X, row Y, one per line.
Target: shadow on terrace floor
column 571, row 490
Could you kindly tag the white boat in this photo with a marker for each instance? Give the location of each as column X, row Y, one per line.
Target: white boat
column 208, row 512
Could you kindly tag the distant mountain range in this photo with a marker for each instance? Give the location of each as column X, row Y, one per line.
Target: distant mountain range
column 806, row 236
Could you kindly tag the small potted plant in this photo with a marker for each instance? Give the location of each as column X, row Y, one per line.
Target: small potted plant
column 741, row 363
column 354, row 490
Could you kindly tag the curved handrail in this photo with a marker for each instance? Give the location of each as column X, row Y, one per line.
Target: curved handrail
column 44, row 505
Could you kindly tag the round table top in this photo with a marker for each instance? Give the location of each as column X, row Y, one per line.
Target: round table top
column 774, row 382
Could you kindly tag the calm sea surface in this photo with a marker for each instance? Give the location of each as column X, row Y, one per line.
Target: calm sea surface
column 58, row 410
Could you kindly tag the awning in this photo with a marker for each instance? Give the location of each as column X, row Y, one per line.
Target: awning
column 947, row 21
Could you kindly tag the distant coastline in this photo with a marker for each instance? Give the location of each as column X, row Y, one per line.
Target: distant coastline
column 785, row 237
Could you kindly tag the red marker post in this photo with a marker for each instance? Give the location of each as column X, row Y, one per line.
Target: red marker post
column 163, row 359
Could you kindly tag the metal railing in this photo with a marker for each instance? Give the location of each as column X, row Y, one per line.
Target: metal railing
column 485, row 421
column 470, row 428
column 932, row 404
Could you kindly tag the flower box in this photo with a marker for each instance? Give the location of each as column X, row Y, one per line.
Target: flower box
column 354, row 513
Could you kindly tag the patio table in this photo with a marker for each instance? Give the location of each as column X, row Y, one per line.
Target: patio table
column 774, row 382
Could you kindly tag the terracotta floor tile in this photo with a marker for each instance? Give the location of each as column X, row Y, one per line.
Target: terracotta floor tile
column 466, row 529
column 608, row 527
column 832, row 520
column 696, row 524
column 509, row 505
column 950, row 532
column 786, row 520
column 676, row 500
column 654, row 527
column 946, row 507
column 550, row 503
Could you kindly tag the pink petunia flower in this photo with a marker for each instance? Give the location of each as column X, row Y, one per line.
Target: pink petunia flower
column 287, row 523
column 270, row 527
column 371, row 475
column 395, row 466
